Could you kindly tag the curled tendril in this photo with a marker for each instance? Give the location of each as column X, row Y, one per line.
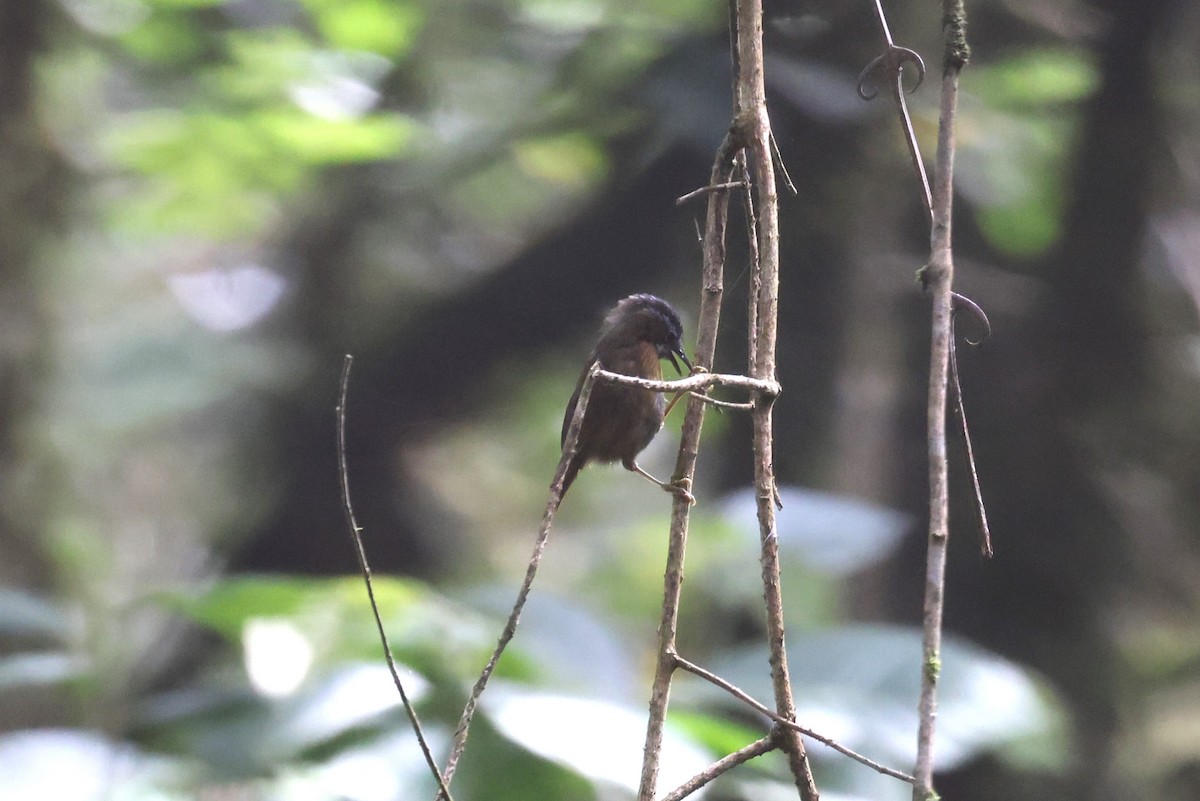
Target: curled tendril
column 890, row 62
column 963, row 303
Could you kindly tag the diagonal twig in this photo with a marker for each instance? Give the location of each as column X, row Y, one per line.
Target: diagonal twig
column 752, row 702
column 890, row 64
column 723, row 765
column 510, row 627
column 704, row 190
column 364, row 566
column 985, row 534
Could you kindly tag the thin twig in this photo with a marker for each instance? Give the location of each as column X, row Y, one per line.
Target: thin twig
column 963, row 303
column 783, row 170
column 700, row 379
column 365, row 568
column 704, row 190
column 940, row 273
column 985, row 534
column 700, row 396
column 751, row 215
column 514, row 617
column 723, row 765
column 749, row 700
column 891, row 64
column 748, row 406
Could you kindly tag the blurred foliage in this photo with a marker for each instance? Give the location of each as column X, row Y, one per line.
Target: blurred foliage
column 258, row 186
column 311, row 693
column 1022, row 120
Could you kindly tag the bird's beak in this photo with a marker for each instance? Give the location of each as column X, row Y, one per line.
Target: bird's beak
column 672, row 354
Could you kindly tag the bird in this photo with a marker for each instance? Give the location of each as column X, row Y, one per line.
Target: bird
column 620, row 421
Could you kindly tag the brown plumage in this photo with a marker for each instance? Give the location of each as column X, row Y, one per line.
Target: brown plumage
column 620, row 421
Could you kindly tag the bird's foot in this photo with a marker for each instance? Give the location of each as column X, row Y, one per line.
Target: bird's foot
column 681, row 489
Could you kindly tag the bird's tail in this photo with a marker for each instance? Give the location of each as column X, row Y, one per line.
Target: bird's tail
column 573, row 468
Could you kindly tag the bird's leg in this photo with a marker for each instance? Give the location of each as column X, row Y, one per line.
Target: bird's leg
column 674, row 488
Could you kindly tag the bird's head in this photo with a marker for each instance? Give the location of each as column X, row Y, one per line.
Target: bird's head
column 646, row 318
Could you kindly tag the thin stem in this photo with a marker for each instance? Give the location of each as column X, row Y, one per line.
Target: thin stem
column 985, row 534
column 514, row 617
column 891, row 64
column 751, row 214
column 704, row 190
column 365, row 568
column 723, row 765
column 749, row 700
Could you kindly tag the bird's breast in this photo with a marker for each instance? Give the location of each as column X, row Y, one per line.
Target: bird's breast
column 620, row 420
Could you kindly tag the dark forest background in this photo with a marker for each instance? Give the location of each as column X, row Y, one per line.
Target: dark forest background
column 206, row 204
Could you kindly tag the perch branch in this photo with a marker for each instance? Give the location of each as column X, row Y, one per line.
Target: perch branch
column 701, row 379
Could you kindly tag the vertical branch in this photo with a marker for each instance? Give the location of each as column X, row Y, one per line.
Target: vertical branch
column 939, row 276
column 755, row 132
column 685, row 466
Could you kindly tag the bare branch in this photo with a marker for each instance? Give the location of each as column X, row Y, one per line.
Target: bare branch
column 365, row 568
column 744, row 754
column 514, row 617
column 940, row 274
column 750, row 701
column 701, row 379
column 754, row 129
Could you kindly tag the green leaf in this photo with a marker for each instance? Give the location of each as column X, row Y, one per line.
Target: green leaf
column 166, row 37
column 1024, row 229
column 1035, row 78
column 388, row 27
column 334, row 616
column 720, row 735
column 322, row 141
column 573, row 159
